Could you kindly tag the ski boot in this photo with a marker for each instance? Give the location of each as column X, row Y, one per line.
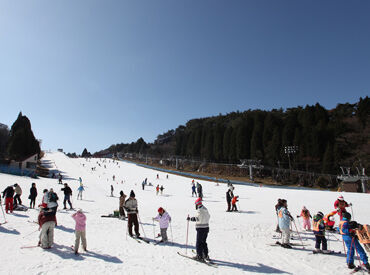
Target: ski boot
column 198, row 258
column 351, row 266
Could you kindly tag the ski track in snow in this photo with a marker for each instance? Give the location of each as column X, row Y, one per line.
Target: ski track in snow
column 238, row 242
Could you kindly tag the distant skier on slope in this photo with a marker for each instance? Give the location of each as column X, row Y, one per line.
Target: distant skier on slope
column 202, row 227
column 33, row 195
column 319, row 231
column 193, row 192
column 131, row 207
column 305, row 214
column 284, row 223
column 80, row 230
column 111, row 190
column 60, row 178
column 199, row 190
column 164, row 219
column 162, row 188
column 157, row 189
column 80, row 189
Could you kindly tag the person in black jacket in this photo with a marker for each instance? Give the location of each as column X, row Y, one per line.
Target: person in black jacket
column 67, row 196
column 8, row 195
column 33, row 195
column 229, row 197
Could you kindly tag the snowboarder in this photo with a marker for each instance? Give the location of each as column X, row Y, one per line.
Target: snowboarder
column 162, row 188
column 202, row 227
column 122, row 199
column 193, row 192
column 131, row 207
column 340, row 205
column 111, row 190
column 319, row 231
column 305, row 214
column 229, row 197
column 80, row 230
column 8, row 195
column 284, row 223
column 347, row 229
column 67, row 196
column 60, row 177
column 157, row 189
column 33, row 195
column 18, row 193
column 164, row 219
column 233, row 202
column 47, row 223
column 80, row 189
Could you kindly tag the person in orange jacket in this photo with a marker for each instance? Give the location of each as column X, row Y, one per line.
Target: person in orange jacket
column 233, row 202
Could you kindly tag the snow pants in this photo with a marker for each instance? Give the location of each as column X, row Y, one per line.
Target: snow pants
column 67, row 199
column 9, row 205
column 80, row 235
column 79, row 195
column 132, row 221
column 122, row 212
column 228, row 206
column 307, row 224
column 352, row 244
column 234, row 207
column 202, row 248
column 17, row 199
column 321, row 239
column 47, row 234
column 164, row 234
column 193, row 193
column 285, row 234
column 32, row 203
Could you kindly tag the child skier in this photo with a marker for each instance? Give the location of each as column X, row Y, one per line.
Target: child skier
column 284, row 223
column 347, row 229
column 164, row 219
column 340, row 205
column 157, row 189
column 305, row 214
column 80, row 230
column 193, row 192
column 233, row 202
column 319, row 231
column 111, row 190
column 80, row 190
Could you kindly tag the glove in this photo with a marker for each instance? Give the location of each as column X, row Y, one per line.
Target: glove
column 298, row 216
column 193, row 219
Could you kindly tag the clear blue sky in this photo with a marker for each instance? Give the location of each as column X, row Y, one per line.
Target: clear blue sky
column 94, row 73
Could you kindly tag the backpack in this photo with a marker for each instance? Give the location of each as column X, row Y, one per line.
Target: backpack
column 53, row 197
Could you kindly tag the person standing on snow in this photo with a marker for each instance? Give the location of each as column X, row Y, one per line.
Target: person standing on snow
column 162, row 188
column 305, row 214
column 80, row 230
column 18, row 193
column 47, row 223
column 67, row 196
column 131, row 207
column 193, row 192
column 157, row 189
column 8, row 195
column 233, row 202
column 229, row 197
column 319, row 231
column 164, row 219
column 199, row 190
column 111, row 190
column 277, row 207
column 60, row 177
column 33, row 195
column 284, row 223
column 340, row 205
column 80, row 189
column 202, row 227
column 347, row 229
column 122, row 199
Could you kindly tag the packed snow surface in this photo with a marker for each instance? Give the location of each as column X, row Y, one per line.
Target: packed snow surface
column 239, row 241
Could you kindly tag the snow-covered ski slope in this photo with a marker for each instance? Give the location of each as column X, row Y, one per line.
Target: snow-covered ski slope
column 238, row 242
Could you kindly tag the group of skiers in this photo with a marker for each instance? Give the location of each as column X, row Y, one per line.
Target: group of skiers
column 321, row 223
column 12, row 195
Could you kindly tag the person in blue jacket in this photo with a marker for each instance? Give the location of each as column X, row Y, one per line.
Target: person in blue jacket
column 284, row 223
column 347, row 229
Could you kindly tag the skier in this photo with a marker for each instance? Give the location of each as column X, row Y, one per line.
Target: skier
column 80, row 180
column 199, row 190
column 340, row 205
column 167, row 176
column 67, row 196
column 193, row 192
column 80, row 230
column 162, row 188
column 143, row 184
column 284, row 223
column 111, row 190
column 17, row 197
column 319, row 231
column 229, row 197
column 233, row 202
column 157, row 189
column 8, row 195
column 277, row 207
column 122, row 199
column 114, row 177
column 202, row 227
column 347, row 229
column 305, row 214
column 157, row 176
column 47, row 223
column 60, row 177
column 131, row 207
column 33, row 195
column 80, row 190
column 164, row 219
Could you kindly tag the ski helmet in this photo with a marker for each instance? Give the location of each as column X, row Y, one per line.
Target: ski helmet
column 160, row 209
column 320, row 214
column 347, row 216
column 198, row 201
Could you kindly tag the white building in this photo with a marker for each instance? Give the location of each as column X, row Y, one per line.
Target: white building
column 28, row 163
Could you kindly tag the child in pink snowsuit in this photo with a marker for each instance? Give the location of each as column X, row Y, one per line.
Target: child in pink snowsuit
column 80, row 230
column 305, row 214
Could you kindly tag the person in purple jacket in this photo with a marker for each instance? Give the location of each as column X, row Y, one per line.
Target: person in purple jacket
column 164, row 219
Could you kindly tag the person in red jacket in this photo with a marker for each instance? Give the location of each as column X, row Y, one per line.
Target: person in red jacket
column 233, row 202
column 47, row 222
column 340, row 205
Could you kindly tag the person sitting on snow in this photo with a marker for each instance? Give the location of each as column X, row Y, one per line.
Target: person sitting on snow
column 305, row 214
column 164, row 219
column 340, row 205
column 347, row 229
column 319, row 231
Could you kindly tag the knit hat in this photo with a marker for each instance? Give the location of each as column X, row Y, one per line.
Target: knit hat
column 198, row 201
column 132, row 194
column 160, row 209
column 340, row 198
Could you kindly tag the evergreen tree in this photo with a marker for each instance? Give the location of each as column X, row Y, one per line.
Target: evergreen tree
column 85, row 153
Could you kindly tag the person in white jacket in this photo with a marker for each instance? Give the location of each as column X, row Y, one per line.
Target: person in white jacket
column 164, row 219
column 202, row 227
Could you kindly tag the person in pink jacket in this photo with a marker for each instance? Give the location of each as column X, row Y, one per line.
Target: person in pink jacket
column 164, row 219
column 80, row 230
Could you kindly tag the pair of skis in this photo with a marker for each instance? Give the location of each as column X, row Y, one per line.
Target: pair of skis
column 209, row 263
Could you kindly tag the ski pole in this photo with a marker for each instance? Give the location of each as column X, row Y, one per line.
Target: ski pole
column 299, row 235
column 299, row 224
column 30, row 233
column 142, row 227
column 187, row 235
column 171, row 232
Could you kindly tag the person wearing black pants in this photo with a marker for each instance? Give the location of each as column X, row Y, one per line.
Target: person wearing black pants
column 33, row 195
column 229, row 196
column 319, row 231
column 131, row 207
column 202, row 227
column 67, row 196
